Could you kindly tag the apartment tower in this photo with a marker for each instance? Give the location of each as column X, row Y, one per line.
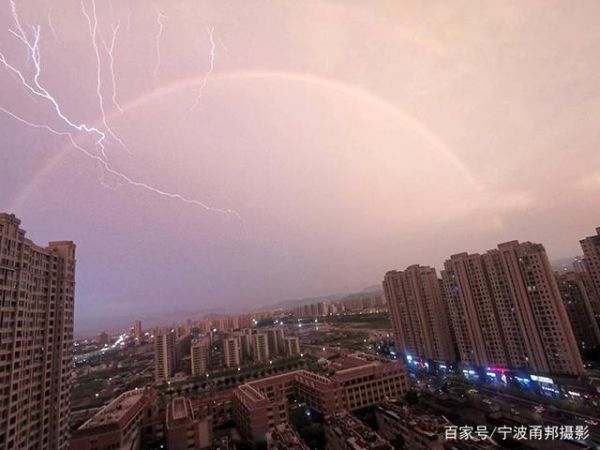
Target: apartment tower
column 165, row 358
column 36, row 339
column 200, row 354
column 418, row 312
column 231, row 352
column 260, row 347
column 579, row 309
column 591, row 259
column 506, row 310
column 137, row 332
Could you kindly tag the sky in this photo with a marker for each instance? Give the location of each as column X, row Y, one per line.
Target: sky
column 220, row 156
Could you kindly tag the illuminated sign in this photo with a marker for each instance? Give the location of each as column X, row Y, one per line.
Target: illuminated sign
column 540, row 379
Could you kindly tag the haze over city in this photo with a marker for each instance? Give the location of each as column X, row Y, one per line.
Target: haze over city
column 330, row 143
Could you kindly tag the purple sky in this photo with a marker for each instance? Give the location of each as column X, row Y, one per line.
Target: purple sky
column 350, row 138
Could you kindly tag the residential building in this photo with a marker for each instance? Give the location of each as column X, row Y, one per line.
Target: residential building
column 36, row 339
column 579, row 309
column 397, row 422
column 419, row 315
column 283, row 437
column 103, row 338
column 183, row 429
column 165, row 358
column 260, row 347
column 474, row 312
column 591, row 262
column 292, row 346
column 506, row 310
column 245, row 337
column 358, row 381
column 275, row 338
column 231, row 352
column 343, row 431
column 118, row 425
column 200, row 355
column 137, row 332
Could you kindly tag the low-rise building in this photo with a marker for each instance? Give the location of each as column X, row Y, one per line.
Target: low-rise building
column 184, row 430
column 396, row 420
column 343, row 431
column 283, row 437
column 119, row 424
column 359, row 381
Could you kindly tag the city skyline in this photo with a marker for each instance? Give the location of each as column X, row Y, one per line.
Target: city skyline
column 339, row 161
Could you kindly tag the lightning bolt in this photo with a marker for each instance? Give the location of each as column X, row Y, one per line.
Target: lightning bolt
column 34, row 87
column 110, row 52
column 159, row 20
column 211, row 67
column 120, row 175
column 93, row 29
column 129, row 20
column 37, row 90
column 50, row 24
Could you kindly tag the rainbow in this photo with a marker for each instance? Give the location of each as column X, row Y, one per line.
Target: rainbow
column 327, row 84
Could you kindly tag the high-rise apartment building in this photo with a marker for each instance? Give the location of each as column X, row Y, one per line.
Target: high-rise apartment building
column 579, row 309
column 260, row 347
column 231, row 352
column 506, row 309
column 103, row 338
column 473, row 311
column 137, row 332
column 165, row 358
column 275, row 338
column 245, row 337
column 200, row 354
column 591, row 259
column 292, row 346
column 36, row 339
column 418, row 312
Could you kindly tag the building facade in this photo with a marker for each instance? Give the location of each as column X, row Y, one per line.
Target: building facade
column 260, row 347
column 579, row 309
column 231, row 352
column 416, row 431
column 36, row 339
column 118, row 425
column 165, row 357
column 200, row 355
column 137, row 332
column 283, row 437
column 418, row 313
column 343, row 431
column 591, row 262
column 506, row 310
column 184, row 430
column 292, row 346
column 359, row 381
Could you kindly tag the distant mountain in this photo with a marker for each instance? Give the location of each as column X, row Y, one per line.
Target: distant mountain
column 284, row 304
column 375, row 289
column 564, row 264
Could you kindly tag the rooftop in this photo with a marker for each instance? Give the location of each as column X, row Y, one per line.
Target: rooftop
column 358, row 435
column 424, row 424
column 115, row 411
column 283, row 437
